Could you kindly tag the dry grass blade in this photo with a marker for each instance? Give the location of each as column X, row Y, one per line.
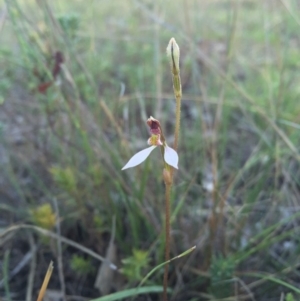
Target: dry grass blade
column 104, row 280
column 113, row 121
column 45, row 282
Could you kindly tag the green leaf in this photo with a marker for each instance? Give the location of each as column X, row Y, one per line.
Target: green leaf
column 130, row 293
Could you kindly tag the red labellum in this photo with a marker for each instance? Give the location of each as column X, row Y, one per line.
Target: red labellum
column 154, row 126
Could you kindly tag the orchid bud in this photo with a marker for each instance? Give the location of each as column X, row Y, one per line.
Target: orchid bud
column 173, row 53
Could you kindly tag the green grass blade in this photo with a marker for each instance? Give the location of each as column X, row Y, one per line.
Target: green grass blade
column 276, row 280
column 130, row 293
column 164, row 263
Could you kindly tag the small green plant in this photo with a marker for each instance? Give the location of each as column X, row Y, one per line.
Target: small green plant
column 135, row 266
column 69, row 24
column 65, row 178
column 81, row 265
column 43, row 216
column 221, row 271
column 289, row 297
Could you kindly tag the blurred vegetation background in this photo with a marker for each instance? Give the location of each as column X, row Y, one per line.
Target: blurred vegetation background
column 78, row 80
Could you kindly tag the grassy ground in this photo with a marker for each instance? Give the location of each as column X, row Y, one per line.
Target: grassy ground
column 66, row 135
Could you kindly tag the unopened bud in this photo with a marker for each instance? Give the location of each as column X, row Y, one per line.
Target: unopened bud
column 173, row 53
column 167, row 176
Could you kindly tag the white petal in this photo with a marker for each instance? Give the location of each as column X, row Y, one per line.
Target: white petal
column 139, row 157
column 171, row 157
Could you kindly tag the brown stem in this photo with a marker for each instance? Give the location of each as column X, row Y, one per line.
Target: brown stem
column 167, row 240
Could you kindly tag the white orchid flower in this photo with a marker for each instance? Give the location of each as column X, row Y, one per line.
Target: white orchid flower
column 156, row 139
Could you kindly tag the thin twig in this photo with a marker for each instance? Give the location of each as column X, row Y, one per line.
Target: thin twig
column 30, row 282
column 59, row 252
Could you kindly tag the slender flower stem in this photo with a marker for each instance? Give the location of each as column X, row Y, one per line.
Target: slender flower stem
column 167, row 239
column 173, row 53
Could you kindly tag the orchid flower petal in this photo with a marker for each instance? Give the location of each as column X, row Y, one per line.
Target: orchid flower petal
column 139, row 157
column 171, row 157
